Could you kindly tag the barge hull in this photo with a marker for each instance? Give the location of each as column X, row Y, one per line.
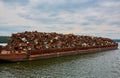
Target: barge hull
column 13, row 57
column 26, row 57
column 67, row 53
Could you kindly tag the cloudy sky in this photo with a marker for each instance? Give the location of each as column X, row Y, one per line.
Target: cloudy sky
column 84, row 17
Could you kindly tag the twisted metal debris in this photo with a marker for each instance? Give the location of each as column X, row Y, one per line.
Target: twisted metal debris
column 28, row 41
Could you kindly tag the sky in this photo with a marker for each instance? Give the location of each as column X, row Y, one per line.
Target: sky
column 83, row 17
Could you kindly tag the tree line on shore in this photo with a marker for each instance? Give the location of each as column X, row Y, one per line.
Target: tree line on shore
column 4, row 39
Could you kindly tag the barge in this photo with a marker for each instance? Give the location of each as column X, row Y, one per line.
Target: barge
column 23, row 47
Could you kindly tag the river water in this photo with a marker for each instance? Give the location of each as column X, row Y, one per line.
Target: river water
column 96, row 65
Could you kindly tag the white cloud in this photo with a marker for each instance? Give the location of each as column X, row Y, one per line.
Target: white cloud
column 57, row 16
column 110, row 4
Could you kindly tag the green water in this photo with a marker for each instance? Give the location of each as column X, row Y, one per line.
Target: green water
column 97, row 65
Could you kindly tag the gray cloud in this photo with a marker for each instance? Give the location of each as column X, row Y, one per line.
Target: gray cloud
column 116, row 23
column 88, row 16
column 15, row 28
column 14, row 2
column 64, row 5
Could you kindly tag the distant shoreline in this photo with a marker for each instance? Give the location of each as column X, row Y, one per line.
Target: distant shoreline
column 116, row 40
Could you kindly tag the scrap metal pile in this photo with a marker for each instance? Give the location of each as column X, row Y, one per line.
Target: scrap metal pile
column 29, row 41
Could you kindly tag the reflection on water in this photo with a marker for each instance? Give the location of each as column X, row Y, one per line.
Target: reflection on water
column 3, row 44
column 97, row 65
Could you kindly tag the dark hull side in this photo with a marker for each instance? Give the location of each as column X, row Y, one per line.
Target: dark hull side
column 31, row 56
column 67, row 53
